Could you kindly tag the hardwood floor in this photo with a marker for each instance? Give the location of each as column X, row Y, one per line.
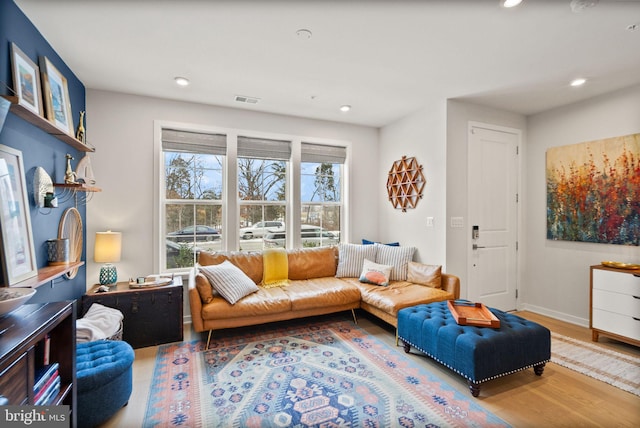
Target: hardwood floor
column 559, row 398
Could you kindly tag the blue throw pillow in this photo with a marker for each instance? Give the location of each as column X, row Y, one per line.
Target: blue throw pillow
column 391, row 244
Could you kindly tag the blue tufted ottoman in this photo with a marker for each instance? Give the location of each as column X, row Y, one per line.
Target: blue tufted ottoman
column 104, row 379
column 477, row 353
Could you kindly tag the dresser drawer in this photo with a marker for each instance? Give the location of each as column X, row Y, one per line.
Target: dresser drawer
column 13, row 382
column 619, row 282
column 623, row 304
column 611, row 322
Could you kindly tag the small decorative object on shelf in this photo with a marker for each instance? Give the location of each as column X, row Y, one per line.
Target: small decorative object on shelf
column 58, row 251
column 56, row 96
column 26, row 81
column 42, row 188
column 84, row 171
column 80, row 131
column 69, row 175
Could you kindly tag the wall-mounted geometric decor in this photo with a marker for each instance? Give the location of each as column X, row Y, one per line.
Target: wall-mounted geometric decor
column 593, row 191
column 405, row 183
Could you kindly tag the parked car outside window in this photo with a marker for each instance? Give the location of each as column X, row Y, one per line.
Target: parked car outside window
column 312, row 236
column 197, row 233
column 259, row 229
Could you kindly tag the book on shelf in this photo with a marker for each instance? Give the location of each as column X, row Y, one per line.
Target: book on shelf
column 42, row 375
column 48, row 396
column 43, row 350
column 47, row 388
column 40, row 390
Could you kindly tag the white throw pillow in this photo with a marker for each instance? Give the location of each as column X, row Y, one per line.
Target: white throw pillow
column 374, row 273
column 351, row 259
column 229, row 281
column 398, row 257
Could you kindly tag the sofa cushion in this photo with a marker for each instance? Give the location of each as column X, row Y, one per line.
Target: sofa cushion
column 321, row 293
column 205, row 289
column 398, row 295
column 228, row 280
column 429, row 275
column 398, row 257
column 249, row 263
column 374, row 273
column 367, row 242
column 307, row 263
column 266, row 301
column 351, row 259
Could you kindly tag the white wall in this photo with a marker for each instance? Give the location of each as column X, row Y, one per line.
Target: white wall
column 120, row 126
column 459, row 114
column 557, row 273
column 420, row 135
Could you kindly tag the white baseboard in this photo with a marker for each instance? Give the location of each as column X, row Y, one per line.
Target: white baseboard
column 582, row 322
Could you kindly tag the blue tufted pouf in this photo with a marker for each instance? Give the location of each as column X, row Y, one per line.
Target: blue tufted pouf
column 477, row 353
column 104, row 379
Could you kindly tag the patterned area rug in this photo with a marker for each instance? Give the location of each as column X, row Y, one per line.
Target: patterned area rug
column 329, row 373
column 614, row 368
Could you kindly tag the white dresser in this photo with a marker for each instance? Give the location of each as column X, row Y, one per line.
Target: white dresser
column 615, row 304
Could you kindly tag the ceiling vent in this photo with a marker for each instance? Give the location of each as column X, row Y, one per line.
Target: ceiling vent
column 247, row 100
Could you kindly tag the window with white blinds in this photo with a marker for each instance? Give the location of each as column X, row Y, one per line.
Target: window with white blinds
column 194, row 201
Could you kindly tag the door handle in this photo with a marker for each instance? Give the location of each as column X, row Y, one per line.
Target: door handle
column 476, row 246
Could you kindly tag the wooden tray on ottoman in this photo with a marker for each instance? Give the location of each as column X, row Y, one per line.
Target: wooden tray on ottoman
column 469, row 313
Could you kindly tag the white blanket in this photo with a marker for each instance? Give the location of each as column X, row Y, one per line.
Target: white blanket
column 98, row 323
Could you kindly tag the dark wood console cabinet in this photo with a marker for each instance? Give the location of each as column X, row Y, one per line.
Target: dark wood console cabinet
column 23, row 334
column 152, row 316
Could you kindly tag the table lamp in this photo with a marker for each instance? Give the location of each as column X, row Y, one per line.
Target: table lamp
column 107, row 250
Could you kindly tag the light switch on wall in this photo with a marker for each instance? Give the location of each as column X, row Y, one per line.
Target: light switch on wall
column 457, row 222
column 429, row 221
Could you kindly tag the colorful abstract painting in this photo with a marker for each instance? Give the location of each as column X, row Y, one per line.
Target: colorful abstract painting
column 593, row 191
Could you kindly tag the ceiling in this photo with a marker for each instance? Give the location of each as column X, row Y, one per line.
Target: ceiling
column 386, row 59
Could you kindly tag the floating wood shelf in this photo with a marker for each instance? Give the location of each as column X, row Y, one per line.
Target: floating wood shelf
column 48, row 273
column 77, row 187
column 45, row 125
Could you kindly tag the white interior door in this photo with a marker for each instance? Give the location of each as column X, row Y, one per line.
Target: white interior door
column 493, row 216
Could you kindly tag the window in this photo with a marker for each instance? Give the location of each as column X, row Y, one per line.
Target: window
column 321, row 192
column 262, row 190
column 224, row 190
column 193, row 194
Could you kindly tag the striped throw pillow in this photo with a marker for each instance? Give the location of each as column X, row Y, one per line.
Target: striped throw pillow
column 229, row 281
column 398, row 257
column 351, row 259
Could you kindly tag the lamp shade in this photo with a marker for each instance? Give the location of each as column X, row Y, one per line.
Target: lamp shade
column 108, row 247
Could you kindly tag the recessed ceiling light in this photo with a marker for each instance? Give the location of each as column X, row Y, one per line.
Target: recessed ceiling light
column 345, row 108
column 304, row 34
column 579, row 6
column 578, row 82
column 181, row 81
column 511, row 3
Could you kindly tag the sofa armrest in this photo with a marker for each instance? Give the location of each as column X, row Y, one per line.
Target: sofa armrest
column 451, row 283
column 195, row 303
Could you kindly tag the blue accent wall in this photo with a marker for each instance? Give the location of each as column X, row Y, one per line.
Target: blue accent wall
column 39, row 148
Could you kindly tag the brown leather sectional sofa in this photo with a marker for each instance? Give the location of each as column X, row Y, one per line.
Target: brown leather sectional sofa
column 313, row 289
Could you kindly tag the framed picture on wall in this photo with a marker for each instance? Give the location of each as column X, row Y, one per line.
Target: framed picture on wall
column 56, row 96
column 17, row 253
column 26, row 80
